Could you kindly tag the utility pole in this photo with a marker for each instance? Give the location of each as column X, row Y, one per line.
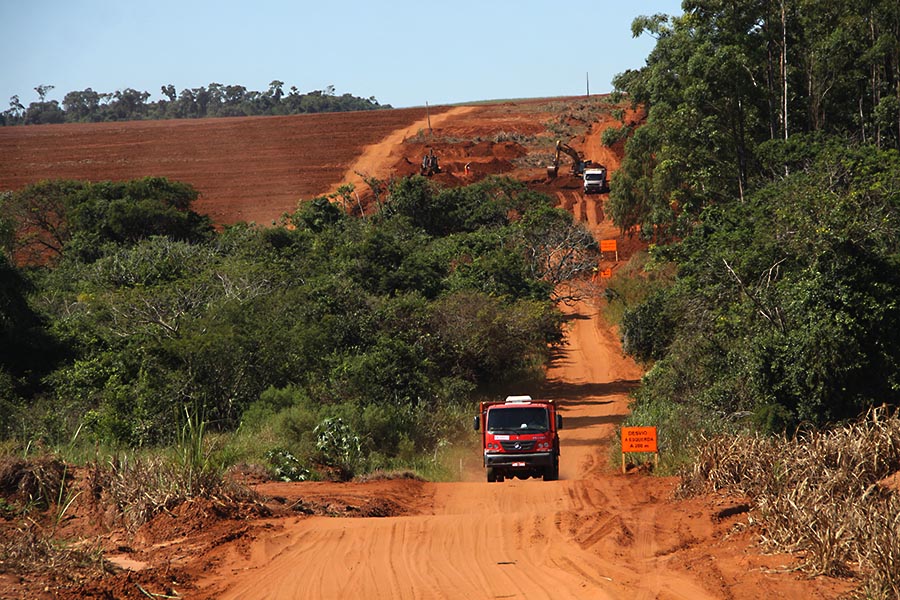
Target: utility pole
column 587, row 80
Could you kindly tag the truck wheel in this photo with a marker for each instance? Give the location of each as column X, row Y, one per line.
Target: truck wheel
column 552, row 473
column 491, row 477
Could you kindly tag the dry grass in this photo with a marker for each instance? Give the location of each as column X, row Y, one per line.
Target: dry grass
column 819, row 495
column 35, row 495
column 140, row 488
column 31, row 550
column 33, row 484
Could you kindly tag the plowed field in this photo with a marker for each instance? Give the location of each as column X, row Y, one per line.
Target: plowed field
column 596, row 533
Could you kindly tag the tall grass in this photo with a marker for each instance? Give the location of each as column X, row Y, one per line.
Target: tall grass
column 681, row 428
column 819, row 495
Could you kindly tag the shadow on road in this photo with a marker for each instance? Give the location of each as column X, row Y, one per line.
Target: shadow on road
column 578, row 422
column 577, row 393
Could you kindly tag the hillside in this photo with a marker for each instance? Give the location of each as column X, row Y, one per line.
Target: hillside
column 596, row 533
column 255, row 169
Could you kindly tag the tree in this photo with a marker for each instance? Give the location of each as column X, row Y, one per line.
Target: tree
column 13, row 115
column 42, row 91
column 558, row 249
column 55, row 217
column 275, row 90
column 42, row 113
column 169, row 92
column 366, row 320
column 783, row 305
column 727, row 77
column 83, row 106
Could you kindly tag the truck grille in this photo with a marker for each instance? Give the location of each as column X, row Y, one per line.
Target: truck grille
column 518, row 446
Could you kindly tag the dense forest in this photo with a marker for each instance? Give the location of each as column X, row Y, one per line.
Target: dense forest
column 214, row 100
column 767, row 175
column 351, row 341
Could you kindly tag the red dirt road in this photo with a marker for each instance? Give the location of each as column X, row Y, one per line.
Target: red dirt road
column 594, row 534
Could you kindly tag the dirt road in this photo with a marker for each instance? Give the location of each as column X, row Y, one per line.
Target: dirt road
column 518, row 539
column 594, row 534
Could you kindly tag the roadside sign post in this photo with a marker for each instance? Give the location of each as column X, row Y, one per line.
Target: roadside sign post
column 639, row 439
column 609, row 246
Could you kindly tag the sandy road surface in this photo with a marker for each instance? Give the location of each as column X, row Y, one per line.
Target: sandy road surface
column 594, row 534
column 585, row 536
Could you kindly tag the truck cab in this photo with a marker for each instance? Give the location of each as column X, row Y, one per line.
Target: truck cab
column 519, row 438
column 595, row 180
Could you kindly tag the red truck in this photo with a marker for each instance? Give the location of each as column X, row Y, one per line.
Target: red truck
column 520, row 438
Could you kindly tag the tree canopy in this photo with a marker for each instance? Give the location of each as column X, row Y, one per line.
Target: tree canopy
column 214, row 100
column 768, row 174
column 377, row 321
column 726, row 80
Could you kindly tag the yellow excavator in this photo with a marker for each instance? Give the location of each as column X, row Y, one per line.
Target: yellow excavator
column 578, row 164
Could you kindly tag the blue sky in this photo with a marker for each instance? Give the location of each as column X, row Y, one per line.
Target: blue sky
column 403, row 53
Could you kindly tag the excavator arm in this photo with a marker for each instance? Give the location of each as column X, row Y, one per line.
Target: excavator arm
column 577, row 163
column 573, row 154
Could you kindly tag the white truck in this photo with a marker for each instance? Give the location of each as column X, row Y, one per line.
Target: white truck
column 595, row 180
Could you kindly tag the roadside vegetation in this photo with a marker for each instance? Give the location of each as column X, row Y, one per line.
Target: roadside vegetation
column 766, row 178
column 821, row 495
column 327, row 346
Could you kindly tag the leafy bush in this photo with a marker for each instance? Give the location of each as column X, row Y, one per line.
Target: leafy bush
column 373, row 330
column 782, row 305
column 648, row 329
column 285, row 466
column 338, row 446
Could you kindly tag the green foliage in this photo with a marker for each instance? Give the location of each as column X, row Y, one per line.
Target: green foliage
column 285, row 466
column 375, row 331
column 767, row 155
column 317, row 214
column 28, row 350
column 214, row 100
column 480, row 339
column 339, row 446
column 650, row 327
column 488, row 204
column 726, row 78
column 79, row 219
column 784, row 306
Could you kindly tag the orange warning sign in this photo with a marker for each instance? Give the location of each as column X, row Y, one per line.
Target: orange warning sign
column 639, row 439
column 606, row 273
column 608, row 246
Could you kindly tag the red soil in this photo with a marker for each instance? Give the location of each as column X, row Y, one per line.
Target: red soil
column 596, row 533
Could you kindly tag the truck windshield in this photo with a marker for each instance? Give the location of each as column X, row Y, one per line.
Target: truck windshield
column 520, row 418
